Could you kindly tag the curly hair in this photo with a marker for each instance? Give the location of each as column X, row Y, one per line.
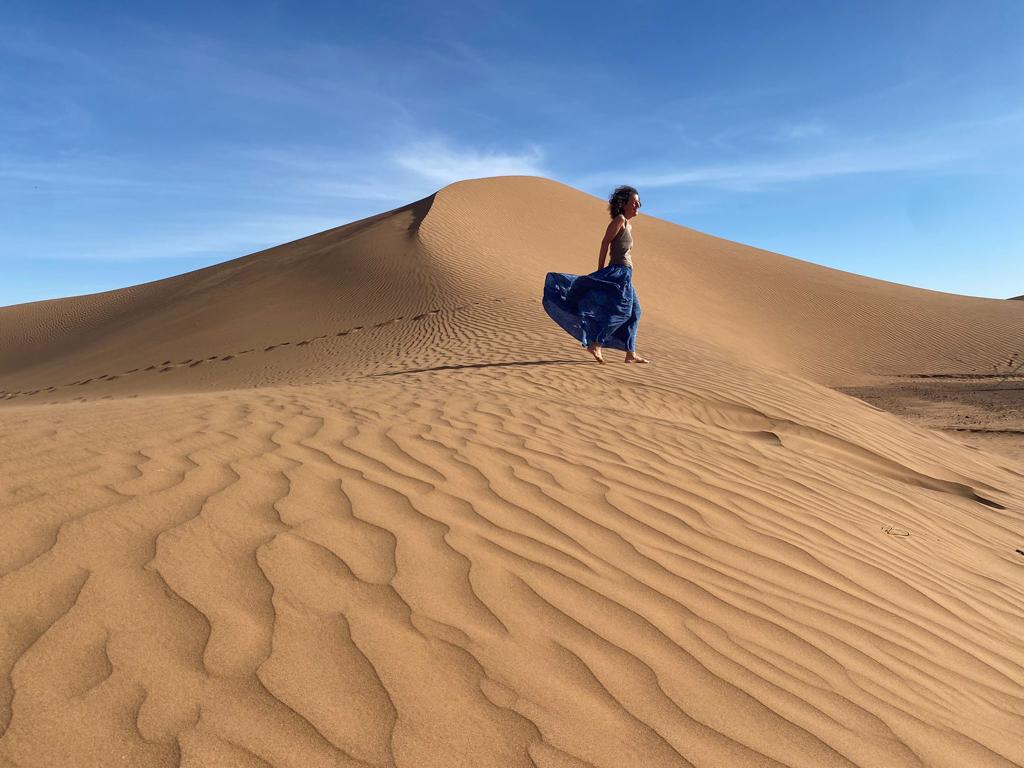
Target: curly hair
column 619, row 198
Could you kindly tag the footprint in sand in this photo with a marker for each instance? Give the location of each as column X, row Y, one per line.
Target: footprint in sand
column 168, row 365
column 894, row 531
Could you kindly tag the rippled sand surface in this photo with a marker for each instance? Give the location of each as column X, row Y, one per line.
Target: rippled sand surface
column 357, row 501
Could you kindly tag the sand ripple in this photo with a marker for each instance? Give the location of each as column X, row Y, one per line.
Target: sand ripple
column 462, row 568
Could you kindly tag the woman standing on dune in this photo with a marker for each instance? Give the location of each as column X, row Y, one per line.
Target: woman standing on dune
column 601, row 309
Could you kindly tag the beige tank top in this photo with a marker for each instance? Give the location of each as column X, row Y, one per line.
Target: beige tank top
column 621, row 245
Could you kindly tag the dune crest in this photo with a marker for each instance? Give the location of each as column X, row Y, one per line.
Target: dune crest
column 355, row 501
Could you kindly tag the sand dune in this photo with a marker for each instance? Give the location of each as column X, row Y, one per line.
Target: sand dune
column 474, row 256
column 355, row 500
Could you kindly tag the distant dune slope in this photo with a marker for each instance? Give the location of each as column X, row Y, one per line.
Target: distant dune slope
column 831, row 325
column 474, row 242
column 361, row 273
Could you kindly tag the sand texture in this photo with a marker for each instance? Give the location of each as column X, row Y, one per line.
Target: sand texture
column 356, row 501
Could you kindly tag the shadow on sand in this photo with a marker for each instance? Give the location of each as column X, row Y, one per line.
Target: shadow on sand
column 483, row 365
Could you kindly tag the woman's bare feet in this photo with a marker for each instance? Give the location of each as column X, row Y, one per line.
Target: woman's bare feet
column 595, row 350
column 632, row 357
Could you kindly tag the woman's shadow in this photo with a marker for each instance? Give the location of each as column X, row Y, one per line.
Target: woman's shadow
column 484, row 365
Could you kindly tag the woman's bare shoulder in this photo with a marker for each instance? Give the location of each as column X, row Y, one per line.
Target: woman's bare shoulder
column 614, row 226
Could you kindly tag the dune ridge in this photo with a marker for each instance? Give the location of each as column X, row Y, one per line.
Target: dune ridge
column 426, row 532
column 475, row 242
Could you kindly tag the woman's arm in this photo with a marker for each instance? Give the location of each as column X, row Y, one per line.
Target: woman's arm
column 613, row 229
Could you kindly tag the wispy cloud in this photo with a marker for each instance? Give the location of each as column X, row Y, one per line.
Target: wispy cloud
column 310, row 172
column 759, row 174
column 69, row 173
column 24, row 44
column 959, row 147
column 249, row 199
column 808, row 129
column 227, row 239
column 755, row 174
column 442, row 163
column 416, row 168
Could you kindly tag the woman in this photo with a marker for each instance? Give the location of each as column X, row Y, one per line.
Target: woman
column 601, row 309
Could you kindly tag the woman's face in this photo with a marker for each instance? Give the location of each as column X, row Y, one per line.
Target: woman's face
column 632, row 206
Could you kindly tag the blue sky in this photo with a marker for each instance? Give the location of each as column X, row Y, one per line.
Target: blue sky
column 141, row 140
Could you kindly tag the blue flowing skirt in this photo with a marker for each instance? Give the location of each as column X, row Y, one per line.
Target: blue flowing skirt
column 601, row 307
